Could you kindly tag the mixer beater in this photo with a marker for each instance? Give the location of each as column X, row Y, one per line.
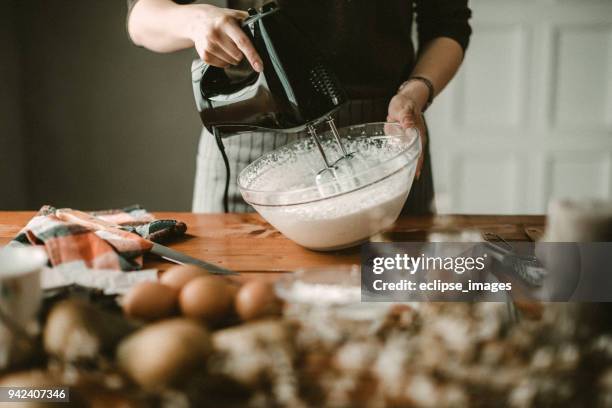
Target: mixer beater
column 333, row 178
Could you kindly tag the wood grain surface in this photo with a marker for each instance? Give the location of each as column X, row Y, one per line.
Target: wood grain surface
column 247, row 244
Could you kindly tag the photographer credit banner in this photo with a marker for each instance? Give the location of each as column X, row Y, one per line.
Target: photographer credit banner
column 486, row 271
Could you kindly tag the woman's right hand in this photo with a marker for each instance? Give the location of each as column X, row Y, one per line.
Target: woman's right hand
column 218, row 37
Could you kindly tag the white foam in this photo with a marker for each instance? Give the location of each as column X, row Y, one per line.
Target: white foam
column 344, row 220
column 360, row 202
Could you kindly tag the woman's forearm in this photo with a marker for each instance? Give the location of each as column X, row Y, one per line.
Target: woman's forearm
column 214, row 32
column 439, row 63
column 159, row 25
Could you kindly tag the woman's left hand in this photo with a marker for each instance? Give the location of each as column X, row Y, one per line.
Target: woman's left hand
column 406, row 108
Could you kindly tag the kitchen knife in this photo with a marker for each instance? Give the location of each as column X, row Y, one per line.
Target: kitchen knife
column 182, row 259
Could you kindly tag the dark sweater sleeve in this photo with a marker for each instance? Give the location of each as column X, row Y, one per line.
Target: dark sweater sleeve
column 443, row 18
column 130, row 3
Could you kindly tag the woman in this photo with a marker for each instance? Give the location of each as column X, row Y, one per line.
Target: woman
column 367, row 43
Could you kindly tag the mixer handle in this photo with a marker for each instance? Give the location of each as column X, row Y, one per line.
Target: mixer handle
column 209, row 81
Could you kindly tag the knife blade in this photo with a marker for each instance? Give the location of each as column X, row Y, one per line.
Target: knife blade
column 182, row 259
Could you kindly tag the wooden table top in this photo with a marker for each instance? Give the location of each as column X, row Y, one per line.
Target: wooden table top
column 247, row 244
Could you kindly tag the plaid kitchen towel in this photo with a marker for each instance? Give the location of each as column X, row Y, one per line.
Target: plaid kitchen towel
column 113, row 239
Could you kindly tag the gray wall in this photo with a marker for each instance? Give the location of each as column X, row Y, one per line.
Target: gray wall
column 104, row 123
column 12, row 180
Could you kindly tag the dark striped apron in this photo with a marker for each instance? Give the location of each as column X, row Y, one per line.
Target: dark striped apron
column 244, row 148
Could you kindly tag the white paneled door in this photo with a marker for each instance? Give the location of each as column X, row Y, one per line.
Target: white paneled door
column 529, row 116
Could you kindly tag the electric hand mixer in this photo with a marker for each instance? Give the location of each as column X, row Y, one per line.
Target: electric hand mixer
column 295, row 91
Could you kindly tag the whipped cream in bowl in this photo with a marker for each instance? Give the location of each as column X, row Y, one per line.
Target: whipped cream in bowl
column 364, row 198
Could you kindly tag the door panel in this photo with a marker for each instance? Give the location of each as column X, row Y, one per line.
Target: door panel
column 529, row 116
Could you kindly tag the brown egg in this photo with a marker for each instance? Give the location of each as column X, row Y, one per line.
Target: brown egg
column 79, row 330
column 208, row 298
column 150, row 301
column 178, row 276
column 233, row 287
column 165, row 353
column 257, row 299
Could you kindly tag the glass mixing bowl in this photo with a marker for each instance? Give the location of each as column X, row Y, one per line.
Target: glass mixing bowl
column 365, row 197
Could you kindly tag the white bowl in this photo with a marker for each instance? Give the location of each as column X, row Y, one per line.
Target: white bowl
column 346, row 211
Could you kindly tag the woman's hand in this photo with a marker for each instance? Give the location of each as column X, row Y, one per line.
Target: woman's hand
column 406, row 108
column 218, row 37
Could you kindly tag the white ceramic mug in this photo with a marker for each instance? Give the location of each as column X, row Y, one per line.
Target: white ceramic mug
column 20, row 294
